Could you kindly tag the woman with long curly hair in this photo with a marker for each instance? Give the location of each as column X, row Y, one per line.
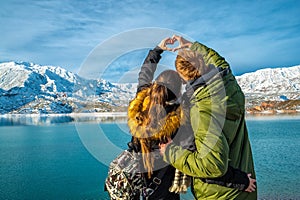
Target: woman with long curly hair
column 153, row 115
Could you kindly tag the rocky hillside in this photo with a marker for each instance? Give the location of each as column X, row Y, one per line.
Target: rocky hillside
column 272, row 90
column 31, row 88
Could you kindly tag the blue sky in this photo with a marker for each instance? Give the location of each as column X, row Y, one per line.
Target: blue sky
column 249, row 34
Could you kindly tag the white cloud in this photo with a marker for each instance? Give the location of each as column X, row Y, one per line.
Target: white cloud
column 64, row 32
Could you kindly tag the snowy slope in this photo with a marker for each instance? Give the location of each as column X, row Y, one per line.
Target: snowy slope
column 52, row 89
column 31, row 88
column 272, row 82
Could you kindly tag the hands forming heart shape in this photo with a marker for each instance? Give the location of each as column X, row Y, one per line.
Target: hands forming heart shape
column 183, row 43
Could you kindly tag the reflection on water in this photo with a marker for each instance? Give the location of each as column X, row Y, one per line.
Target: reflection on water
column 285, row 116
column 19, row 120
column 22, row 119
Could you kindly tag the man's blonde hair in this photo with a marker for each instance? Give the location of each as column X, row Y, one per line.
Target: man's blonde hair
column 190, row 64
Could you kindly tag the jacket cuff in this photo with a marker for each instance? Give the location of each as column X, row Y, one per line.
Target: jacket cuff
column 194, row 46
column 158, row 50
column 167, row 153
column 198, row 46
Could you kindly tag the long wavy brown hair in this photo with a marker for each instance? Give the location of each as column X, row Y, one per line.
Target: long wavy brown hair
column 163, row 91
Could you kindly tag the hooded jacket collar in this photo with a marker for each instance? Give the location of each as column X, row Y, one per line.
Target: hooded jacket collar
column 205, row 80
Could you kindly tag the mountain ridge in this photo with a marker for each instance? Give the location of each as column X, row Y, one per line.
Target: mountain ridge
column 31, row 88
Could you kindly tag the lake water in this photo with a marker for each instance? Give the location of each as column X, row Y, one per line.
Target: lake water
column 49, row 159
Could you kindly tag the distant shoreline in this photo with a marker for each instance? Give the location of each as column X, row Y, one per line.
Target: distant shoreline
column 105, row 117
column 95, row 114
column 124, row 114
column 275, row 116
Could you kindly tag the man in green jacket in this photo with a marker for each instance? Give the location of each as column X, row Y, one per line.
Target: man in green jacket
column 217, row 117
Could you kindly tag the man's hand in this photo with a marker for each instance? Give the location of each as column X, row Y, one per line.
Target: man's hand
column 163, row 146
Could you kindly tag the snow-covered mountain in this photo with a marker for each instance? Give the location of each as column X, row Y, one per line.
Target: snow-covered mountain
column 31, row 88
column 272, row 84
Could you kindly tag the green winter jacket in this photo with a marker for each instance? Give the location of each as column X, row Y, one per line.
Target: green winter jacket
column 217, row 117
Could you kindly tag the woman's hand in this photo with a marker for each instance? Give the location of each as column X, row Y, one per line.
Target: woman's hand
column 252, row 185
column 163, row 44
column 183, row 43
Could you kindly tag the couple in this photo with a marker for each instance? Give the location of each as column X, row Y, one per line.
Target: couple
column 201, row 133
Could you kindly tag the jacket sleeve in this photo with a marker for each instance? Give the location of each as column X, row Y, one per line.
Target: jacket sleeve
column 234, row 178
column 210, row 56
column 210, row 160
column 148, row 68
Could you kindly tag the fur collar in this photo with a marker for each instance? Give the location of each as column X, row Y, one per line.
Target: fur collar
column 136, row 112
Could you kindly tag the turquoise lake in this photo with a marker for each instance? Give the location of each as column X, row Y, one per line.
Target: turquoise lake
column 66, row 158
